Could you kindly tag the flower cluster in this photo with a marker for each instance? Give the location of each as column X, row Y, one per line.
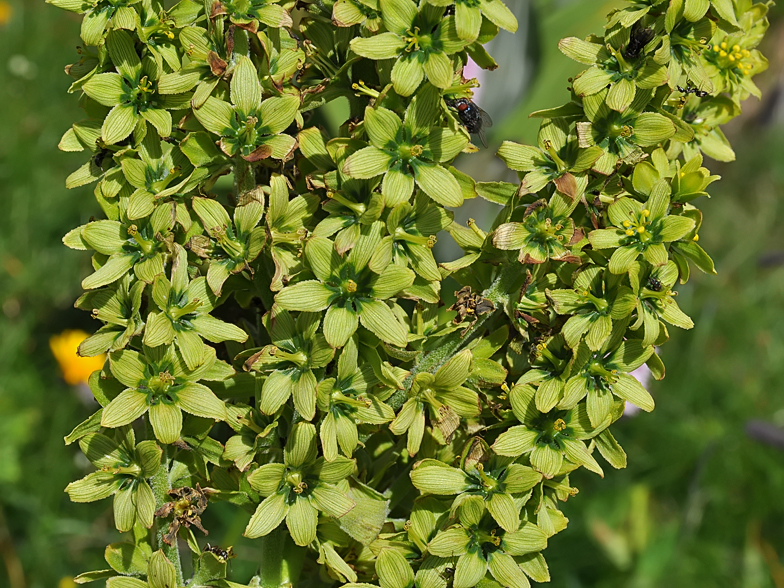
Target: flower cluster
column 254, row 271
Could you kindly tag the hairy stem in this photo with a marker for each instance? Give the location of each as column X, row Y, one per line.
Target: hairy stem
column 281, row 560
column 161, row 484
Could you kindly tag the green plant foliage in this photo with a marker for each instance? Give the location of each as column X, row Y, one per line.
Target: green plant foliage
column 367, row 429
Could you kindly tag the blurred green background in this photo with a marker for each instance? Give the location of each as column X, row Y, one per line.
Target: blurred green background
column 702, row 502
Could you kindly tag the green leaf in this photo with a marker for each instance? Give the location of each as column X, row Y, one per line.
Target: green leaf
column 468, row 20
column 199, row 400
column 160, row 573
column 579, row 50
column 166, row 421
column 621, row 94
column 301, row 521
column 651, row 128
column 438, row 68
column 106, row 236
column 93, row 26
column 438, row 183
column 611, row 450
column 503, row 509
column 216, row 330
column 450, row 542
column 434, row 479
column 392, row 280
column 382, row 126
column 471, row 568
column 277, row 113
column 398, row 15
column 215, row 115
column 123, row 53
column 505, row 569
column 499, row 14
column 268, row 516
column 340, row 323
column 267, row 479
column 95, row 486
column 125, row 582
column 381, row 46
column 407, row 74
column 577, row 453
column 126, row 408
column 331, row 501
column 367, row 163
column 397, row 187
column 529, row 539
column 675, row 227
column 546, row 460
column 454, row 372
column 520, row 157
column 104, row 88
column 515, row 441
column 245, row 86
column 393, row 570
column 119, row 123
column 160, row 119
column 379, row 319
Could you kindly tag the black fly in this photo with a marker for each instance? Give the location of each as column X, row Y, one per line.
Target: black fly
column 654, row 284
column 98, row 158
column 474, row 119
column 640, row 37
column 690, row 89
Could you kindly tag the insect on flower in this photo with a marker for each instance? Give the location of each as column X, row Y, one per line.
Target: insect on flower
column 473, row 118
column 654, row 284
column 638, row 39
column 222, row 554
column 690, row 89
column 470, row 303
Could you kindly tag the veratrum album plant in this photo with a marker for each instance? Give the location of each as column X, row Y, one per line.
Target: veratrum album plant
column 272, row 311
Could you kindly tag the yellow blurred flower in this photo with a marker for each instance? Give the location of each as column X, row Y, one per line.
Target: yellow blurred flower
column 66, row 582
column 76, row 370
column 5, row 12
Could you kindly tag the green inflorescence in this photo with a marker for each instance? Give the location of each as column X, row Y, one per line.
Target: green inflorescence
column 272, row 309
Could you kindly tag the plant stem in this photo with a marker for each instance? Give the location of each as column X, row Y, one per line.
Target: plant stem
column 281, row 560
column 161, row 484
column 508, row 280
